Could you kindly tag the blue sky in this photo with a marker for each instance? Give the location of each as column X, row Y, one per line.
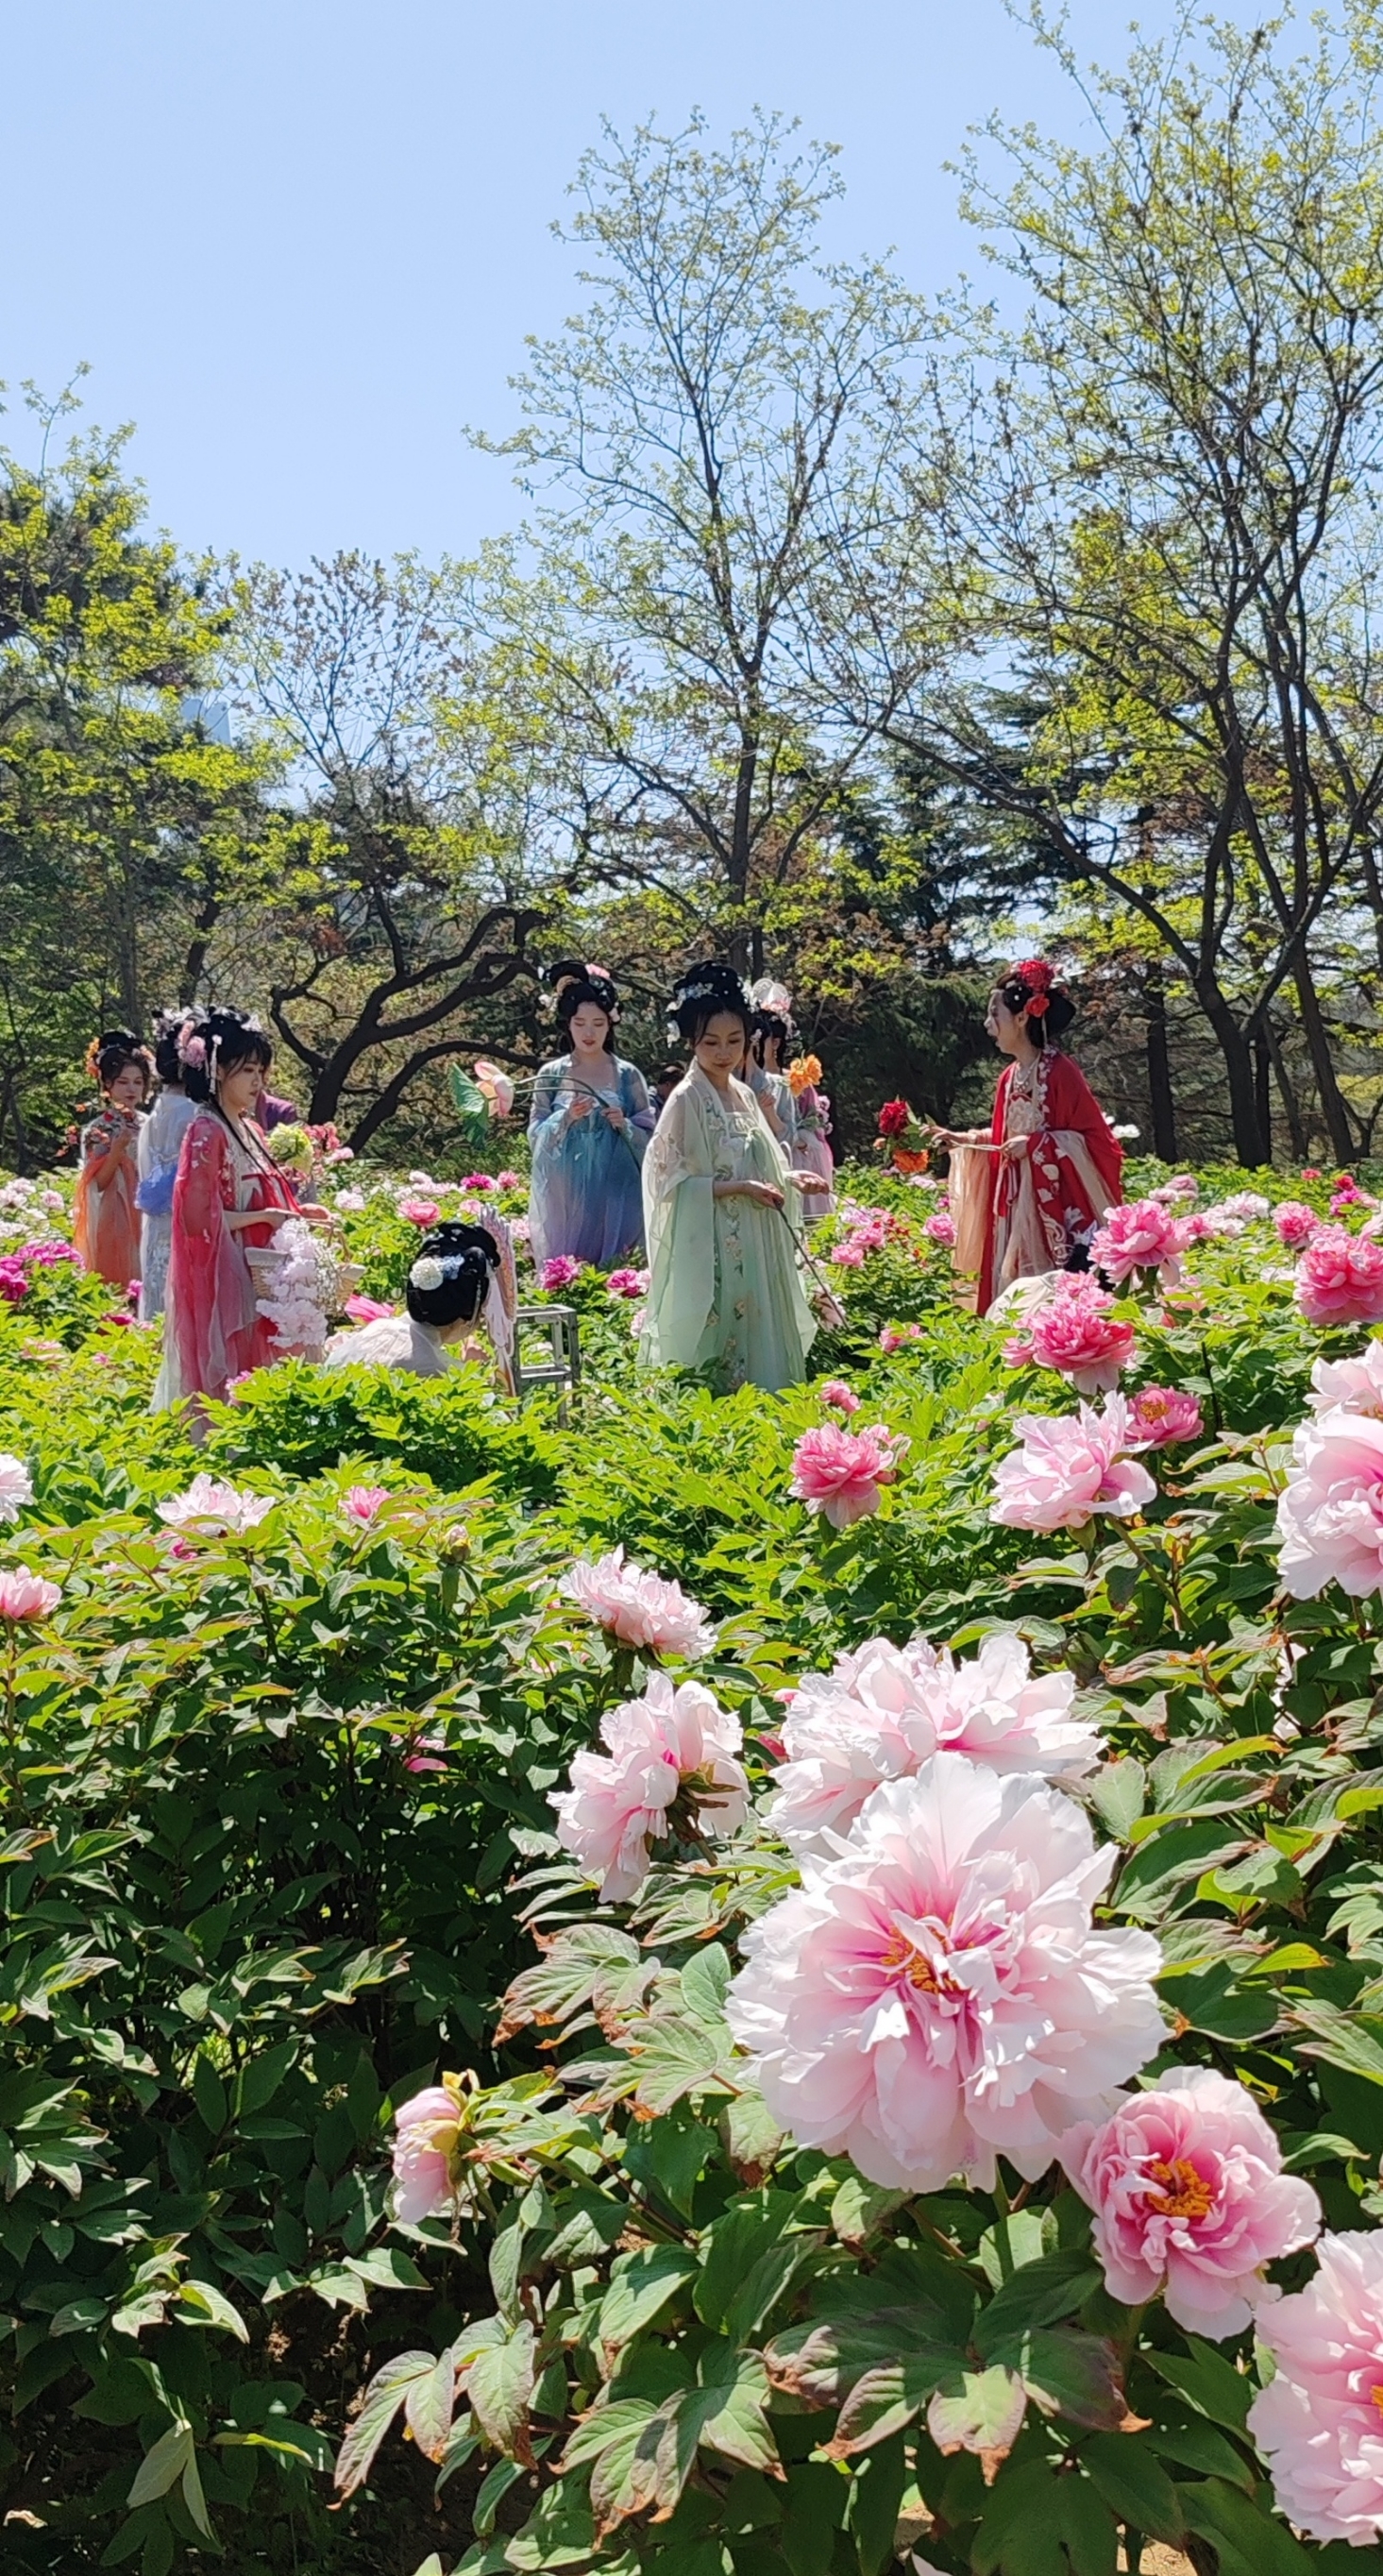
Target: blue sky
column 301, row 241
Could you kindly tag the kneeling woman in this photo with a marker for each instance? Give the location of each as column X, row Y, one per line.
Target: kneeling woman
column 1028, row 1195
column 455, row 1311
column 725, row 1291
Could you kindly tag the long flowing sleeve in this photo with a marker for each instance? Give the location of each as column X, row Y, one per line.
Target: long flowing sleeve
column 679, row 1230
column 639, row 1108
column 1081, row 1131
column 548, row 1129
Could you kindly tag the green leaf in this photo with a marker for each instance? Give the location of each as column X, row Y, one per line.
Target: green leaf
column 1118, row 1793
column 199, row 2304
column 162, row 2467
column 427, row 2407
column 642, row 2285
column 1087, row 2527
column 383, row 2398
column 1077, row 2375
column 499, row 2384
column 616, row 2440
column 978, row 2410
column 1203, row 2375
column 1248, row 2542
column 705, row 1982
column 1038, row 2295
column 209, row 2094
column 1134, row 2485
column 1019, row 2532
column 876, row 2495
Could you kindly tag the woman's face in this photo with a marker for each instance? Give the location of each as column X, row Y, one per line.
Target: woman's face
column 127, row 1090
column 590, row 1029
column 720, row 1047
column 239, row 1090
column 1009, row 1029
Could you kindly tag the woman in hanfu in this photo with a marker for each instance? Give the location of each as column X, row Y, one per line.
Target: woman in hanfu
column 813, row 1154
column 588, row 1128
column 1027, row 1197
column 105, row 1218
column 229, row 1199
column 160, row 1145
column 725, row 1289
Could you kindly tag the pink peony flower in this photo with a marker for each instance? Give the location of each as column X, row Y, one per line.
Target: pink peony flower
column 884, row 1710
column 1330, row 1511
column 895, row 1337
column 849, row 1255
column 559, row 1272
column 1140, row 1236
column 1319, row 2424
column 627, row 1283
column 640, row 1609
column 839, row 1473
column 835, row 1392
column 1309, row 1172
column 367, row 1310
column 16, row 1486
column 426, row 2130
column 940, row 1228
column 1340, row 1278
column 1159, row 1416
column 935, row 1994
column 363, row 1502
column 25, row 1595
column 1177, row 1192
column 1349, row 1386
column 479, row 1181
column 1190, row 2199
column 1069, row 1467
column 1248, row 1205
column 419, row 1212
column 508, row 1180
column 1074, row 1331
column 675, row 1746
column 497, row 1085
column 1295, row 1222
column 425, row 1753
column 210, row 1508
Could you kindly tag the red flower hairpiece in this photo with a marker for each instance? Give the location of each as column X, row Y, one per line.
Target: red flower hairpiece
column 1036, row 974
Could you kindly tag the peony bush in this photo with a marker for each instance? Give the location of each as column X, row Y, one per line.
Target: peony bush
column 749, row 1986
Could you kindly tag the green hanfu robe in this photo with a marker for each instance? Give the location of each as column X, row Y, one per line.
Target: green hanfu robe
column 725, row 1290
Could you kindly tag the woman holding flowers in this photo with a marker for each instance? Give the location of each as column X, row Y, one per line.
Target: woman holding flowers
column 725, row 1293
column 105, row 1227
column 589, row 1130
column 1027, row 1197
column 229, row 1199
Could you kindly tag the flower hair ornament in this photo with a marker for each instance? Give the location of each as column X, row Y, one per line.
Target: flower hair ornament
column 428, row 1272
column 1035, row 976
column 766, row 993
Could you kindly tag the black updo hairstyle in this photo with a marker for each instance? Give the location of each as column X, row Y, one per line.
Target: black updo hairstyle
column 168, row 1028
column 467, row 1255
column 108, row 1056
column 1028, row 991
column 587, row 988
column 212, row 1043
column 702, row 994
column 764, row 1026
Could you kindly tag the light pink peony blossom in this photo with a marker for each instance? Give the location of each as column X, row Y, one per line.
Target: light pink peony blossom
column 25, row 1595
column 836, row 1393
column 1069, row 1467
column 426, row 2130
column 675, row 1746
column 1190, row 2199
column 839, row 1473
column 1340, row 1278
column 940, row 1228
column 1319, row 2424
column 896, row 1337
column 1178, row 1192
column 884, row 1710
column 1330, row 1511
column 1159, row 1416
column 497, row 1085
column 936, row 1994
column 508, row 1180
column 559, row 1272
column 1296, row 1223
column 16, row 1486
column 627, row 1283
column 1140, row 1236
column 1250, row 1206
column 362, row 1503
column 210, row 1508
column 849, row 1255
column 640, row 1609
column 1349, row 1386
column 1075, row 1332
column 419, row 1212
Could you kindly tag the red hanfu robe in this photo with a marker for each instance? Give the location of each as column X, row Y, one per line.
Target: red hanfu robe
column 1035, row 1207
column 213, row 1332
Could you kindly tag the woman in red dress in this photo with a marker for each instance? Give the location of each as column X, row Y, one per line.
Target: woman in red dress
column 1028, row 1196
column 229, row 1199
column 105, row 1217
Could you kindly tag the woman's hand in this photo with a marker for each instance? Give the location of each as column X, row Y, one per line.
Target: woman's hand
column 763, row 1193
column 580, row 1105
column 614, row 1117
column 1014, row 1148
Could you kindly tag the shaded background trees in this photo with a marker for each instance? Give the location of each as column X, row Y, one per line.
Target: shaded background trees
column 867, row 643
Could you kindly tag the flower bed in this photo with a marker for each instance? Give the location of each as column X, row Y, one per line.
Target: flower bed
column 946, row 2093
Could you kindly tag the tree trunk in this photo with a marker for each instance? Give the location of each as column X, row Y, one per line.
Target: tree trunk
column 1164, row 1121
column 1286, row 1092
column 1250, row 1145
column 1262, row 1087
column 1317, row 1035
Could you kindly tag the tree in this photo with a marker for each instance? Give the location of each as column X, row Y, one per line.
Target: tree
column 730, row 602
column 415, row 910
column 1168, row 480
